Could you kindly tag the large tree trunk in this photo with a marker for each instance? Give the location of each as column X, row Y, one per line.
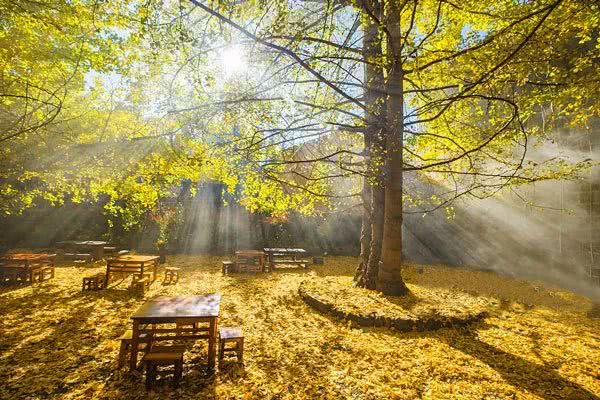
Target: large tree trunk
column 389, row 277
column 373, row 196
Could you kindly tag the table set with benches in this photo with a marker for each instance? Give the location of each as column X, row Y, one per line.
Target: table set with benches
column 280, row 255
column 86, row 250
column 143, row 268
column 22, row 268
column 265, row 260
column 188, row 318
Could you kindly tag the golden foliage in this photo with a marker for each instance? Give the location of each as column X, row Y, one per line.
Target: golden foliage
column 420, row 304
column 57, row 342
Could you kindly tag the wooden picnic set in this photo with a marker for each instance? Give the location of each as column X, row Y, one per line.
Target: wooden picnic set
column 179, row 321
column 23, row 268
column 266, row 260
column 163, row 328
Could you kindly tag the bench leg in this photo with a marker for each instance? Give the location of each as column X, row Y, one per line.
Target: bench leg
column 123, row 353
column 240, row 351
column 178, row 374
column 221, row 352
column 150, row 375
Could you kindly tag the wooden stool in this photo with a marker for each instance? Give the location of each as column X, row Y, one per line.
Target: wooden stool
column 163, row 355
column 94, row 282
column 48, row 273
column 231, row 335
column 126, row 345
column 36, row 274
column 171, row 275
column 140, row 284
column 228, row 266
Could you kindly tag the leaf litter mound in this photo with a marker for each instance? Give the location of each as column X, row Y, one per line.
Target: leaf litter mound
column 422, row 309
column 57, row 342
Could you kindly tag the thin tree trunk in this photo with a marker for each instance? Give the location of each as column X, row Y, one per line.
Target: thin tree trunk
column 389, row 277
column 216, row 193
column 377, row 226
column 365, row 230
column 372, row 228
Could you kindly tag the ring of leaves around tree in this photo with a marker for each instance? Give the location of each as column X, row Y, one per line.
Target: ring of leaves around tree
column 338, row 299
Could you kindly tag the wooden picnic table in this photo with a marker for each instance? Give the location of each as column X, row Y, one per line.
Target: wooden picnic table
column 132, row 264
column 28, row 258
column 24, row 265
column 281, row 255
column 94, row 247
column 195, row 317
column 259, row 255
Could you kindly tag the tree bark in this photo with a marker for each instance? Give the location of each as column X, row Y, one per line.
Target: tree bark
column 389, row 277
column 365, row 230
column 377, row 224
column 373, row 196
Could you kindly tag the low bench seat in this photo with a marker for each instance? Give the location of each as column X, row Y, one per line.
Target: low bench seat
column 228, row 266
column 304, row 263
column 232, row 335
column 126, row 340
column 141, row 284
column 163, row 356
column 171, row 275
column 94, row 282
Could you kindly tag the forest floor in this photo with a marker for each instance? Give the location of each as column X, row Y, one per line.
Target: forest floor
column 57, row 342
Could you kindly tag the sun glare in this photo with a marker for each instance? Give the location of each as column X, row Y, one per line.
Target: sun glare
column 233, row 60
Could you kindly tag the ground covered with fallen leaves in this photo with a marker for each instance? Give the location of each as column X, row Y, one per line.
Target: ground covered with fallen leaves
column 422, row 304
column 57, row 342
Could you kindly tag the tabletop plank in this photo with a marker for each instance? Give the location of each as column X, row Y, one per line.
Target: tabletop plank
column 27, row 256
column 199, row 306
column 138, row 258
column 282, row 250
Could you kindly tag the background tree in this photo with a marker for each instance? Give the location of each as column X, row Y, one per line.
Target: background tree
column 334, row 105
column 450, row 112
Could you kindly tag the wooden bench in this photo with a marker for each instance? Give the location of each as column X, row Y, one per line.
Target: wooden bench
column 141, row 283
column 172, row 275
column 14, row 273
column 249, row 266
column 126, row 341
column 163, row 356
column 228, row 266
column 303, row 263
column 42, row 273
column 136, row 266
column 94, row 282
column 85, row 257
column 231, row 335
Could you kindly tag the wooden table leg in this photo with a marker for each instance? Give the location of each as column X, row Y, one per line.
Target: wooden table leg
column 107, row 275
column 135, row 339
column 100, row 252
column 212, row 340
